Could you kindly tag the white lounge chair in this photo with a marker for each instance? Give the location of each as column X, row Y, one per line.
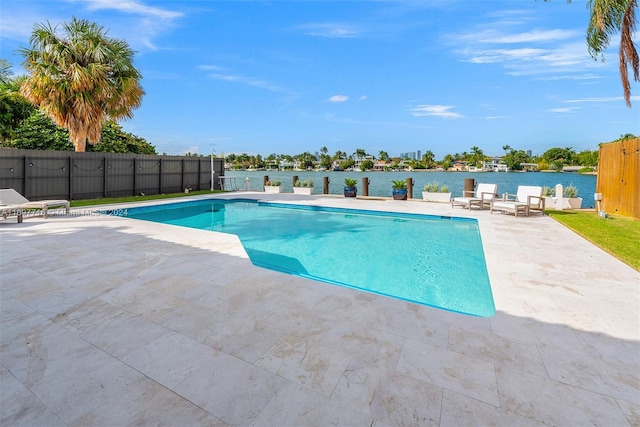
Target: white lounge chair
column 11, row 210
column 9, row 196
column 528, row 198
column 483, row 196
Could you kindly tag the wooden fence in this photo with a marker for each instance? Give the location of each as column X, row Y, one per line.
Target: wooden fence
column 39, row 174
column 619, row 177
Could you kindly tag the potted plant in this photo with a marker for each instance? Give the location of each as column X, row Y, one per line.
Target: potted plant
column 272, row 187
column 350, row 189
column 433, row 192
column 303, row 187
column 570, row 199
column 570, row 194
column 399, row 187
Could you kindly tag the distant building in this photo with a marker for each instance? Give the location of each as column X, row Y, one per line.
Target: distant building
column 359, row 160
column 380, row 165
column 410, row 155
column 459, row 166
column 529, row 166
column 495, row 164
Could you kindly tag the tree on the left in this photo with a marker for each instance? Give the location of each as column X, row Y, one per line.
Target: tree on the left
column 80, row 78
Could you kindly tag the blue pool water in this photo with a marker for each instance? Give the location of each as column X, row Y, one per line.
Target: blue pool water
column 431, row 260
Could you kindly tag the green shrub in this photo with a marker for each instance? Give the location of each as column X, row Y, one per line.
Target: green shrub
column 570, row 191
column 349, row 182
column 431, row 187
column 399, row 184
column 307, row 183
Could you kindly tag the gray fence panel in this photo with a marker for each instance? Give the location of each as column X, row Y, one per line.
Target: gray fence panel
column 47, row 178
column 120, row 177
column 172, row 176
column 147, row 176
column 39, row 174
column 12, row 173
column 88, row 178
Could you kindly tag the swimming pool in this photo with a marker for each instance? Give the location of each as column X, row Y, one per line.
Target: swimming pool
column 431, row 260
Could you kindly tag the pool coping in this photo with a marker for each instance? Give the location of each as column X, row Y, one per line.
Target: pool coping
column 560, row 350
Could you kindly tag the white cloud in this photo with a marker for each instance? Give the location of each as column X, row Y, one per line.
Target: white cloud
column 538, row 52
column 209, row 67
column 249, row 81
column 330, row 30
column 603, row 99
column 363, row 98
column 338, row 98
column 491, row 36
column 131, row 6
column 496, row 117
column 563, row 109
column 435, row 110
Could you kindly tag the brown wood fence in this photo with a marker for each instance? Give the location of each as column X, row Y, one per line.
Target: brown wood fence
column 619, row 177
column 39, row 174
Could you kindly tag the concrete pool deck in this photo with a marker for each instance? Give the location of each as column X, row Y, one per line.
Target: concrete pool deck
column 111, row 321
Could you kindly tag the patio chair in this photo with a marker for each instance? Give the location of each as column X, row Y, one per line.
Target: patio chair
column 482, row 196
column 528, row 198
column 9, row 196
column 11, row 210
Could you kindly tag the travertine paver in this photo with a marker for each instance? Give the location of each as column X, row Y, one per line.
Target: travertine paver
column 111, row 321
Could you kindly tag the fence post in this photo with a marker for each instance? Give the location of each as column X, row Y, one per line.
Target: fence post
column 199, row 173
column 104, row 176
column 25, row 168
column 265, row 179
column 365, row 187
column 325, row 185
column 135, row 176
column 469, row 186
column 160, row 176
column 294, row 179
column 70, row 175
column 409, row 188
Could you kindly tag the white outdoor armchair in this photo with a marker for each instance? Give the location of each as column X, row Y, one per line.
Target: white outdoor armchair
column 528, row 198
column 482, row 196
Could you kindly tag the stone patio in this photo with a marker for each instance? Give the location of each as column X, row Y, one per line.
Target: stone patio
column 110, row 321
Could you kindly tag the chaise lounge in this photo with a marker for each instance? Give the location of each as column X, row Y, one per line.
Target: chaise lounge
column 482, row 196
column 9, row 196
column 11, row 210
column 528, row 198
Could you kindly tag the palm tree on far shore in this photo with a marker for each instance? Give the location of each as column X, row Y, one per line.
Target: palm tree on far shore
column 80, row 78
column 506, row 148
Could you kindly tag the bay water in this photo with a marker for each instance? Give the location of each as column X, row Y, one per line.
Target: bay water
column 380, row 182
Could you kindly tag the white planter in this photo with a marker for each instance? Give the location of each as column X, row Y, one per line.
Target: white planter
column 272, row 188
column 436, row 197
column 307, row 191
column 572, row 203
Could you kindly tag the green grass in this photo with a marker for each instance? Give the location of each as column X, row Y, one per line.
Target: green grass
column 110, row 200
column 617, row 235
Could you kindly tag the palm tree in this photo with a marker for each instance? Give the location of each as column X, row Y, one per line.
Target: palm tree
column 607, row 18
column 428, row 158
column 506, row 148
column 80, row 78
column 476, row 155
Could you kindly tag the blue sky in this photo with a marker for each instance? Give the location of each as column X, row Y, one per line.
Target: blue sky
column 400, row 76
